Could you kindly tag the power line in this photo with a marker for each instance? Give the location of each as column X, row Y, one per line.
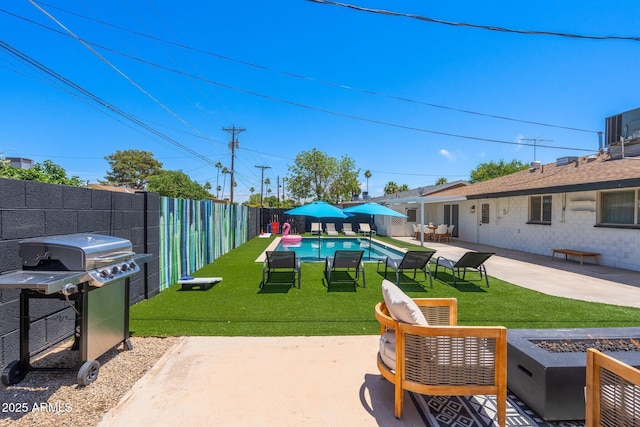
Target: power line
column 335, row 113
column 117, row 70
column 41, row 67
column 481, row 27
column 287, row 73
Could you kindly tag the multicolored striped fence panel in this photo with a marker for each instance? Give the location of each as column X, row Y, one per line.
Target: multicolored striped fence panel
column 194, row 233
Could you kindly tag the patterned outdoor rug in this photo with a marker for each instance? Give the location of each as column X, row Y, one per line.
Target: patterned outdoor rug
column 477, row 411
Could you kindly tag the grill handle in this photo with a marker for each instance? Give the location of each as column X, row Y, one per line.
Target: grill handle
column 111, row 258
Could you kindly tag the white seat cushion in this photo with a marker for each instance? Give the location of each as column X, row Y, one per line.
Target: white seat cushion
column 388, row 349
column 401, row 307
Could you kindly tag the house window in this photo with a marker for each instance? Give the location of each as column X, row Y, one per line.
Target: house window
column 540, row 209
column 411, row 215
column 619, row 207
column 485, row 213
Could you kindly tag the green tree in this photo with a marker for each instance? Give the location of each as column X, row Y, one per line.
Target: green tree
column 131, row 168
column 177, row 184
column 441, row 180
column 47, row 171
column 322, row 177
column 490, row 170
column 253, row 201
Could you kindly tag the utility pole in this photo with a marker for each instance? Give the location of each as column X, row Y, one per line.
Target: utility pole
column 278, row 192
column 261, row 188
column 262, row 181
column 233, row 144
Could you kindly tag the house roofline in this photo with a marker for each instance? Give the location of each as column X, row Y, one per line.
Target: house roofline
column 590, row 186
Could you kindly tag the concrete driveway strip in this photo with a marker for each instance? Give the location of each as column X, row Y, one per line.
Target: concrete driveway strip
column 264, row 381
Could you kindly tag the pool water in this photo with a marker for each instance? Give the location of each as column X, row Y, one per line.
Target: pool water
column 307, row 249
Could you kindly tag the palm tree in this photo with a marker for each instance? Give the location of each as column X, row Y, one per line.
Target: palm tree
column 441, row 181
column 367, row 174
column 391, row 188
column 218, row 166
column 225, row 172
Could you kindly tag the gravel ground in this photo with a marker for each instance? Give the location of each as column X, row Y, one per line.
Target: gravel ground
column 55, row 399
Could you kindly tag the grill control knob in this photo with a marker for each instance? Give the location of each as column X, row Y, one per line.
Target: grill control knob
column 104, row 273
column 124, row 267
column 133, row 265
column 115, row 270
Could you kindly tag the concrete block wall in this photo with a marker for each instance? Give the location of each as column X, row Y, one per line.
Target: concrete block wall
column 33, row 209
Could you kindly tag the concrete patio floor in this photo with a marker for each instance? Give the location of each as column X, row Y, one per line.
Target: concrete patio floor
column 324, row 381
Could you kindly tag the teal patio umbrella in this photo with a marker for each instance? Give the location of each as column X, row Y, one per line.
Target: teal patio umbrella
column 372, row 209
column 318, row 210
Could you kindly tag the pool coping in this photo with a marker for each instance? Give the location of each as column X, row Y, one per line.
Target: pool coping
column 274, row 244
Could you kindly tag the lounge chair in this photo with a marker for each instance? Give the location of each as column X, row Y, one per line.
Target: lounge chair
column 365, row 229
column 412, row 260
column 424, row 351
column 472, row 260
column 280, row 267
column 316, row 228
column 331, row 229
column 338, row 269
column 347, row 229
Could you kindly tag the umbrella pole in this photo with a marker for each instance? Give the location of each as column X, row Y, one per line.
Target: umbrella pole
column 370, row 233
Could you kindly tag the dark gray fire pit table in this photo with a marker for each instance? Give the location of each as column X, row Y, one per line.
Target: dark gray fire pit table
column 552, row 384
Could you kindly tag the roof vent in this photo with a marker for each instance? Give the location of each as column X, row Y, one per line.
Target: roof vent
column 562, row 161
column 535, row 165
column 591, row 158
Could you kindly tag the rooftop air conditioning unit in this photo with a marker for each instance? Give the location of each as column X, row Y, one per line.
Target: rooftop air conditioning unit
column 562, row 161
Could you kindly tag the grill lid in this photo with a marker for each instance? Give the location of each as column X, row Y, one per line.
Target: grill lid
column 75, row 252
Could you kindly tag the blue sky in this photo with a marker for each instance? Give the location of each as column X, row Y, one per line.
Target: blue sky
column 299, row 75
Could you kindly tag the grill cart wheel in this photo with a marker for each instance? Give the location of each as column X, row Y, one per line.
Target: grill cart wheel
column 13, row 373
column 88, row 372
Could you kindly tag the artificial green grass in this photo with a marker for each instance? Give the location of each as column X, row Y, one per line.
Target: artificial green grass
column 238, row 307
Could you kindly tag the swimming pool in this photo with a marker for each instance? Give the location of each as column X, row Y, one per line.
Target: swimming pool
column 307, row 249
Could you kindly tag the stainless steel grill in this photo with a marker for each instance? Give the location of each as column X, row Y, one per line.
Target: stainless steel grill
column 91, row 272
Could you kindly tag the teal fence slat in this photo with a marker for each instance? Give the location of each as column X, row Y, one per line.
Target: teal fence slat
column 194, row 233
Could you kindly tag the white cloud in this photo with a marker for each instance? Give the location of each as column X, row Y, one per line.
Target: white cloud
column 447, row 155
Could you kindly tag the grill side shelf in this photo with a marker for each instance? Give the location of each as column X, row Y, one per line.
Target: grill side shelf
column 48, row 282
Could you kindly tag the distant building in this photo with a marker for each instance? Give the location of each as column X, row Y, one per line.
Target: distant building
column 19, row 162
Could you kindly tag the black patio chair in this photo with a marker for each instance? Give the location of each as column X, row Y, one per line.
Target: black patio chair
column 412, row 260
column 281, row 267
column 472, row 260
column 338, row 269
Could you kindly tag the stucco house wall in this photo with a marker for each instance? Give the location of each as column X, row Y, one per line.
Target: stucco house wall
column 572, row 226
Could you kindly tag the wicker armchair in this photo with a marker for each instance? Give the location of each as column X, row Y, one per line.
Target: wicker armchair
column 445, row 359
column 612, row 393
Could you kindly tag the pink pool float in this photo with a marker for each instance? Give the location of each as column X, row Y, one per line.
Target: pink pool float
column 289, row 238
